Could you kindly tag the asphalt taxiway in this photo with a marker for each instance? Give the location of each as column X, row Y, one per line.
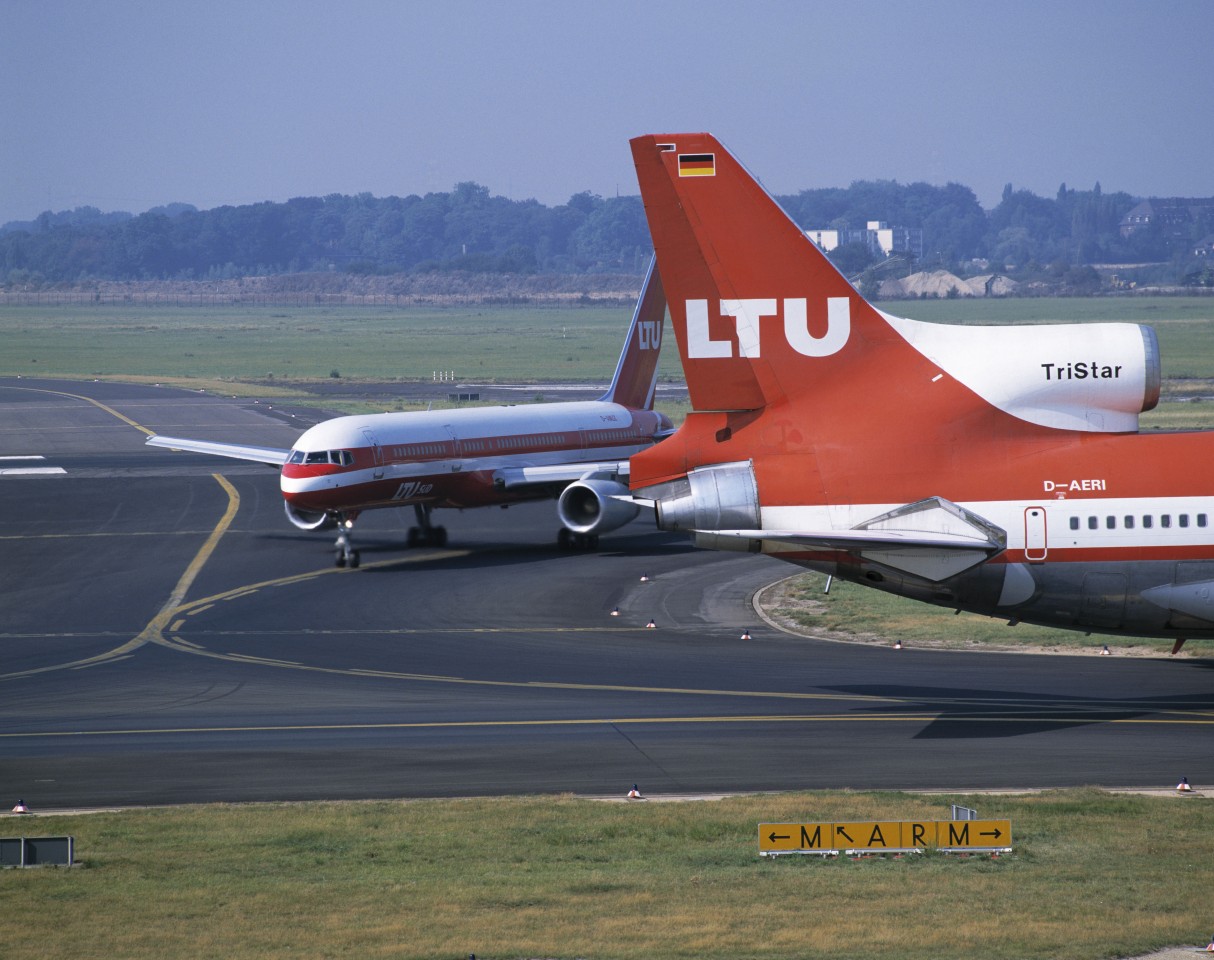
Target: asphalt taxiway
column 168, row 637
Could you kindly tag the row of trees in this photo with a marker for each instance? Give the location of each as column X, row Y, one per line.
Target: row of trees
column 468, row 229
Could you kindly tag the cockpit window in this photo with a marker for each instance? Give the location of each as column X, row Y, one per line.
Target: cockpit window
column 343, row 458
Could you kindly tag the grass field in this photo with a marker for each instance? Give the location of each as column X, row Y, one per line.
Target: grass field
column 1092, row 875
column 862, row 614
column 282, row 351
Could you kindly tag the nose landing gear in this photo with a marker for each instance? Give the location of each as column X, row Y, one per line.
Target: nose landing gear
column 346, row 555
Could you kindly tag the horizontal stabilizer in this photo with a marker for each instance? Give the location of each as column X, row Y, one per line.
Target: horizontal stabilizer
column 235, row 451
column 933, row 539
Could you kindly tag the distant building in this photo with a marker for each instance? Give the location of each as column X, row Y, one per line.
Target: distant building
column 880, row 238
column 1173, row 216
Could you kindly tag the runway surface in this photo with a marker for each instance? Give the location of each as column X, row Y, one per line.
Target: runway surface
column 168, row 637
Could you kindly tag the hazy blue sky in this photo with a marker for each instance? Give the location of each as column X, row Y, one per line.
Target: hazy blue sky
column 125, row 105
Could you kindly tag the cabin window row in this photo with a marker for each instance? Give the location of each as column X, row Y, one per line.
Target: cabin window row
column 548, row 440
column 1147, row 520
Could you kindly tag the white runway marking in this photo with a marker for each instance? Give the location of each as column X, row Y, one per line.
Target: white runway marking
column 6, row 471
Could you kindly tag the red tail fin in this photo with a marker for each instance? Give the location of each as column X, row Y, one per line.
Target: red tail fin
column 742, row 280
column 636, row 373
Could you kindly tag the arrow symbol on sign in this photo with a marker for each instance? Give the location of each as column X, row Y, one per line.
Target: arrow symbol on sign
column 996, row 833
column 773, row 836
column 843, row 833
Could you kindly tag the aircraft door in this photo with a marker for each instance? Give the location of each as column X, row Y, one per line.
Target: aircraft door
column 456, row 449
column 377, row 453
column 1035, row 544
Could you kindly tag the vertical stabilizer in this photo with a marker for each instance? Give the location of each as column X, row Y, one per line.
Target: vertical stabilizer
column 759, row 312
column 636, row 374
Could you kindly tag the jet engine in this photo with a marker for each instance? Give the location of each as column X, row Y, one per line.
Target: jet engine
column 722, row 496
column 588, row 506
column 1095, row 377
column 308, row 519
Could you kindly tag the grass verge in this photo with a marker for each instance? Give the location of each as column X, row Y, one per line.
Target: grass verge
column 861, row 614
column 1092, row 874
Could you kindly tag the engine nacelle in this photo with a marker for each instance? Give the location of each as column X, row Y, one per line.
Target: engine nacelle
column 1095, row 377
column 587, row 507
column 722, row 496
column 309, row 519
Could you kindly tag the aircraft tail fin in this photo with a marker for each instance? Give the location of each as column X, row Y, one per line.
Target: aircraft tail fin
column 636, row 373
column 750, row 295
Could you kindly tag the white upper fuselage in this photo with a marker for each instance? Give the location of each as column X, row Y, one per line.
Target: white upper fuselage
column 456, row 457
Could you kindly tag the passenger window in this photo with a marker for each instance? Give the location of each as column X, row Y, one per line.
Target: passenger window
column 1184, row 519
column 1093, row 523
column 1201, row 519
column 1129, row 521
column 1074, row 523
column 1110, row 523
column 1147, row 522
column 1165, row 520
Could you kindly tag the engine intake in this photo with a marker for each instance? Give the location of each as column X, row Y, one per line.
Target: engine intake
column 588, row 507
column 308, row 519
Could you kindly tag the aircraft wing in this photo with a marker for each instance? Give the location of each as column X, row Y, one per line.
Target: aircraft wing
column 236, row 451
column 865, row 539
column 512, row 478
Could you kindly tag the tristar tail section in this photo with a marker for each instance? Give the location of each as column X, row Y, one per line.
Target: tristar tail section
column 636, row 375
column 742, row 280
column 991, row 469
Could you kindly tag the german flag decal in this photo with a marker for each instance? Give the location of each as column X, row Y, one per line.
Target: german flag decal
column 697, row 165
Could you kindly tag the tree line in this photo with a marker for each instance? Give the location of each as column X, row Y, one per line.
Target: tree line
column 467, row 229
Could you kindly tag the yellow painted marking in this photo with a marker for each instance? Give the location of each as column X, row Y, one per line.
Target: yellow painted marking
column 177, row 624
column 154, row 631
column 96, row 403
column 454, row 724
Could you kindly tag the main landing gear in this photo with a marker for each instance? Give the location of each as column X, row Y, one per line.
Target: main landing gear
column 347, row 556
column 425, row 534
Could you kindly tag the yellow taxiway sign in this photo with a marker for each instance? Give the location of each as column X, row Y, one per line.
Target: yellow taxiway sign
column 885, row 836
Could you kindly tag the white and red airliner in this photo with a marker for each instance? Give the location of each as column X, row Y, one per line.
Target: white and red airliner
column 991, row 469
column 476, row 457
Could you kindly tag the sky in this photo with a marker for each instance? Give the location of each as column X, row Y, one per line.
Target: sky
column 127, row 105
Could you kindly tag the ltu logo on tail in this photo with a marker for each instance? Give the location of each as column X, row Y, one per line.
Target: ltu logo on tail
column 746, row 314
column 651, row 334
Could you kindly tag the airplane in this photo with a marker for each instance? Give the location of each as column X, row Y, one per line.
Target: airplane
column 484, row 456
column 993, row 469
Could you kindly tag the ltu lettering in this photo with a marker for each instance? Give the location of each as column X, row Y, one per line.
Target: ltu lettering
column 746, row 315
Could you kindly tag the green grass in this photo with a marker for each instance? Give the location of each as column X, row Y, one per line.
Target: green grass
column 491, row 343
column 1092, row 874
column 513, row 344
column 859, row 613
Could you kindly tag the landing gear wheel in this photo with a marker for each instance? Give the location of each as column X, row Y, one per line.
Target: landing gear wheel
column 341, row 558
column 437, row 537
column 354, row 560
column 413, row 538
column 564, row 539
